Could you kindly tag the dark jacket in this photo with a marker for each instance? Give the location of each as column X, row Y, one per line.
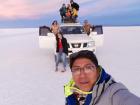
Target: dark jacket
column 63, row 11
column 64, row 44
column 75, row 5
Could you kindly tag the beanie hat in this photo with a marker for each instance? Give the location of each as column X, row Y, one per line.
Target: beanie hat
column 83, row 54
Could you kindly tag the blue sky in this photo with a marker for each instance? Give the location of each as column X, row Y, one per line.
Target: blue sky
column 33, row 13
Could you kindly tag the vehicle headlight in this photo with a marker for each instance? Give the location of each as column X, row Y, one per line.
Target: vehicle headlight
column 91, row 44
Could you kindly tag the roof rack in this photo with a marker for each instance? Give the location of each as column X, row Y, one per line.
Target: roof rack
column 69, row 20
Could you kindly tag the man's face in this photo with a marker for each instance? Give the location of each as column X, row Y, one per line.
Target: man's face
column 88, row 75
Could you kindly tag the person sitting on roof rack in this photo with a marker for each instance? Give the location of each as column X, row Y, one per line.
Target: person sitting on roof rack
column 62, row 11
column 68, row 13
column 75, row 9
column 74, row 5
column 74, row 15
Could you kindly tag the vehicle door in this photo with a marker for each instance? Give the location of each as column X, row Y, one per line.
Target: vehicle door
column 97, row 35
column 46, row 38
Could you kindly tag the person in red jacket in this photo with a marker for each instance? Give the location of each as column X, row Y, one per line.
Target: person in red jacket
column 61, row 50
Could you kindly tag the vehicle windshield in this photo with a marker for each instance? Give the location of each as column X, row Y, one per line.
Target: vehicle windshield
column 72, row 30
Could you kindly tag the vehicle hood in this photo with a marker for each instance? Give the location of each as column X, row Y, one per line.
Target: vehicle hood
column 72, row 38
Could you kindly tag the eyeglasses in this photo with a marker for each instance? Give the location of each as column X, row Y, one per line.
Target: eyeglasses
column 86, row 69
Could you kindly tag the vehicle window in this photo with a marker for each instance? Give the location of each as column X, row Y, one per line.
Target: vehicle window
column 72, row 30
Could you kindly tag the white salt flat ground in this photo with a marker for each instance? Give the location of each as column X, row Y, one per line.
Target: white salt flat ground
column 27, row 74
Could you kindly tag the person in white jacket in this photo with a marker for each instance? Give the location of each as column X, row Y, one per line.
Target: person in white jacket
column 91, row 85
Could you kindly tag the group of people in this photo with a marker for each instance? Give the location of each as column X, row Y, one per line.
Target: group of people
column 62, row 44
column 69, row 12
column 90, row 83
column 87, row 27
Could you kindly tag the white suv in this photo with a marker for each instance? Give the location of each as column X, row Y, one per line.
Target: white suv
column 76, row 38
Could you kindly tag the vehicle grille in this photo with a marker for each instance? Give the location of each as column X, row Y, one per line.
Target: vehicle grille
column 76, row 45
column 85, row 45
